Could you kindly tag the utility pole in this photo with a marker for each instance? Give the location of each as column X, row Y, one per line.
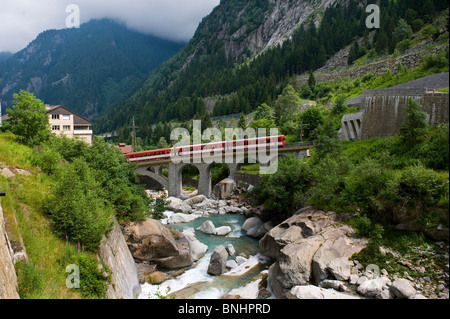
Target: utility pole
column 301, row 131
column 133, row 135
column 0, row 114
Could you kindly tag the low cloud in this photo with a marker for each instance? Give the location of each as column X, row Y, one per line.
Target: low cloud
column 22, row 20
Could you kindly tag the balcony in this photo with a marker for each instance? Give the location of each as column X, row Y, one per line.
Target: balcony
column 83, row 132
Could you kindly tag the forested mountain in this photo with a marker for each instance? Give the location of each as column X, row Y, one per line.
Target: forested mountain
column 245, row 52
column 5, row 56
column 86, row 69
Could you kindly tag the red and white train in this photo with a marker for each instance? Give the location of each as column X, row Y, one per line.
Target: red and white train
column 192, row 150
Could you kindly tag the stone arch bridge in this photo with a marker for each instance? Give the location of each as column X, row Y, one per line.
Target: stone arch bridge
column 173, row 183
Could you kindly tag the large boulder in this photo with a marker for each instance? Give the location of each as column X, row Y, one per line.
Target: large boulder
column 197, row 248
column 294, row 263
column 150, row 240
column 224, row 189
column 303, row 224
column 195, row 200
column 208, row 228
column 337, row 246
column 180, row 218
column 218, row 262
column 402, row 289
column 183, row 259
column 373, row 287
column 309, row 247
column 251, row 223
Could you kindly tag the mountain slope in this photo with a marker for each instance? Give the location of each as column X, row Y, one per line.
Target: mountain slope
column 233, row 33
column 235, row 61
column 86, row 69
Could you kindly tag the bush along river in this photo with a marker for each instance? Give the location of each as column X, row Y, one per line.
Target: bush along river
column 213, row 225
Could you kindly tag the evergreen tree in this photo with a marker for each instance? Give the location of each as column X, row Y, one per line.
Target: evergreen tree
column 242, row 122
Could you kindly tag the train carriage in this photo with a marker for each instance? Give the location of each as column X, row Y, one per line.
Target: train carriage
column 217, row 147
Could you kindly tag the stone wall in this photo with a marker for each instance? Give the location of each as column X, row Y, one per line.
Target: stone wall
column 8, row 279
column 384, row 111
column 411, row 60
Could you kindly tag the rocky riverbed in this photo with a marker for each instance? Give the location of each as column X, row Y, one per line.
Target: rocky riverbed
column 211, row 249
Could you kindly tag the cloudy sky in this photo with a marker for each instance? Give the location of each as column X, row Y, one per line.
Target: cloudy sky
column 22, row 20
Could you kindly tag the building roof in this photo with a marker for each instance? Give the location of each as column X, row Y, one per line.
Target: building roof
column 59, row 109
column 124, row 149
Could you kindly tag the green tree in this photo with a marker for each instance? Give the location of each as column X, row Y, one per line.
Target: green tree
column 29, row 119
column 415, row 125
column 287, row 105
column 242, row 122
column 77, row 209
column 264, row 112
column 403, row 31
column 312, row 118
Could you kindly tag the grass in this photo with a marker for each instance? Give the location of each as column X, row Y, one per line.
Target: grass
column 43, row 276
column 250, row 169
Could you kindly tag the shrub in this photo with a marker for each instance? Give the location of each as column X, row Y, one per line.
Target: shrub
column 94, row 280
column 47, row 159
column 286, row 190
column 420, row 185
column 77, row 209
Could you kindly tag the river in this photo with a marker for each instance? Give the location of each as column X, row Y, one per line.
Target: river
column 195, row 283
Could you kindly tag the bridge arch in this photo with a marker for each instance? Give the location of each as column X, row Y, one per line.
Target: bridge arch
column 155, row 174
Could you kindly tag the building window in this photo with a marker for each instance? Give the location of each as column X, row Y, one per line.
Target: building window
column 66, row 128
column 55, row 116
column 66, row 117
column 55, row 128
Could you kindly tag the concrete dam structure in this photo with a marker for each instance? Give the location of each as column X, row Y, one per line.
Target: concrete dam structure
column 382, row 112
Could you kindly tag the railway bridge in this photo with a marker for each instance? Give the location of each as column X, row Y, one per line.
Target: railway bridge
column 173, row 183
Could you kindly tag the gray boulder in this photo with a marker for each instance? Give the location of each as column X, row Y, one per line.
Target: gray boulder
column 402, row 288
column 314, row 292
column 208, row 228
column 218, row 262
column 373, row 287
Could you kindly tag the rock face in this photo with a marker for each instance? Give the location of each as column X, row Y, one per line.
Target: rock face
column 309, row 247
column 217, row 264
column 8, row 279
column 115, row 253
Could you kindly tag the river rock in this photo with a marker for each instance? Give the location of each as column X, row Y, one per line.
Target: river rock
column 223, row 230
column 251, row 223
column 231, row 264
column 337, row 247
column 314, row 292
column 224, row 189
column 181, row 218
column 150, row 240
column 333, row 284
column 340, row 268
column 183, row 259
column 197, row 248
column 373, row 287
column 217, row 264
column 208, row 228
column 173, row 203
column 231, row 250
column 402, row 288
column 195, row 200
